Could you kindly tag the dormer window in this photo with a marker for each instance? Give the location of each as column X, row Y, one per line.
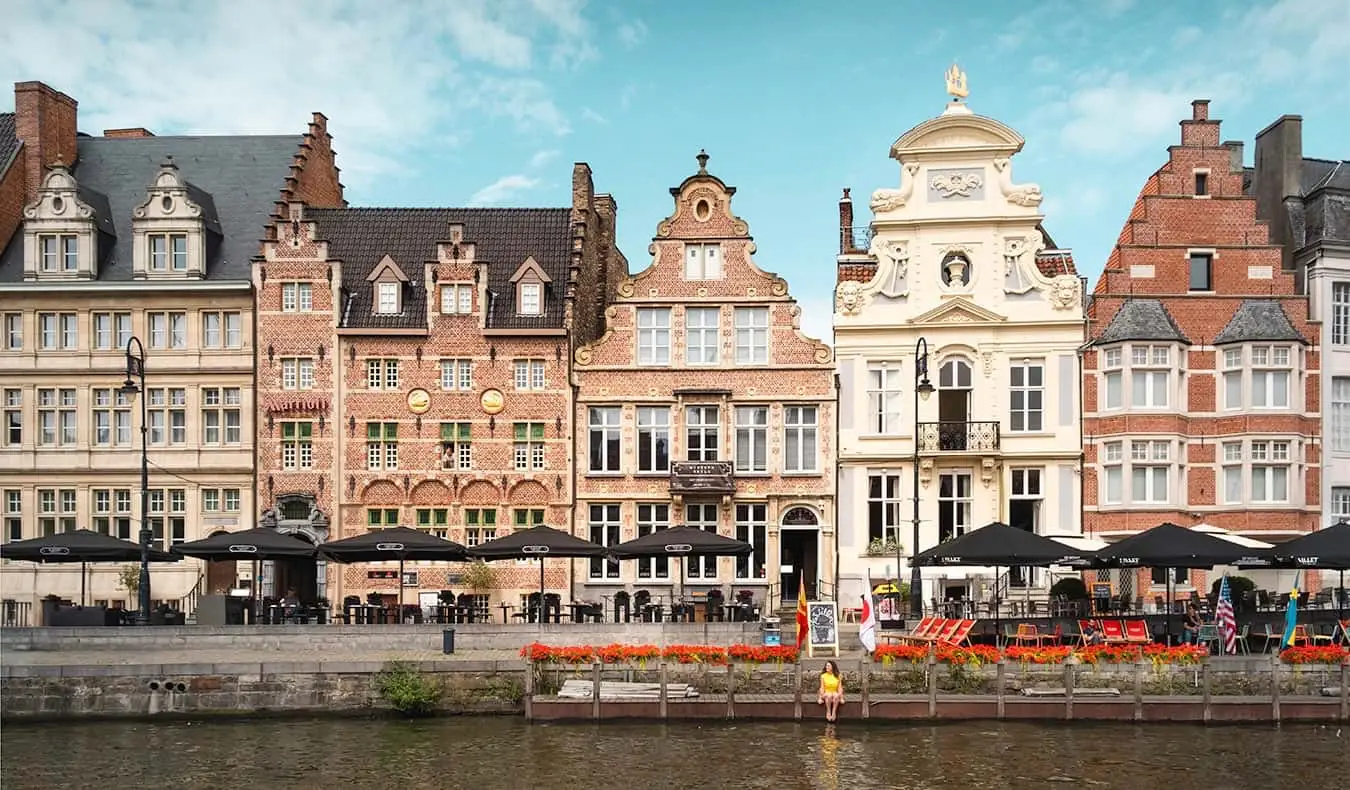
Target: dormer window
column 171, row 227
column 387, row 281
column 531, row 299
column 168, row 252
column 62, row 229
column 530, row 280
column 388, row 299
column 60, row 253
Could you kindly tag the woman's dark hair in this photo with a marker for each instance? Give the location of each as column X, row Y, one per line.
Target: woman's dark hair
column 831, row 667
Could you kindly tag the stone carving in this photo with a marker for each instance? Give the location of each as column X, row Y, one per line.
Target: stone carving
column 892, row 199
column 627, row 288
column 987, row 357
column 1016, row 280
column 957, row 317
column 925, row 471
column 848, row 297
column 1064, row 292
column 957, row 182
column 1026, row 195
column 584, row 355
column 956, row 83
column 778, row 287
column 892, row 278
column 823, row 354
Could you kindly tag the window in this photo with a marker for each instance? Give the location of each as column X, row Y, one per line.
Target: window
column 13, row 417
column 954, row 504
column 1024, row 512
column 883, row 507
column 653, row 438
column 386, row 298
column 221, row 330
column 60, row 331
column 701, row 516
column 56, row 511
column 297, row 373
column 1027, row 397
column 382, row 374
column 382, row 445
column 653, row 518
column 702, row 335
column 435, row 520
column 220, row 500
column 457, row 299
column 1112, row 379
column 883, row 398
column 297, row 297
column 13, row 331
column 1270, row 472
column 1180, row 576
column 221, row 415
column 653, row 335
column 112, row 512
column 1150, row 376
column 1201, row 183
column 1270, row 377
column 531, row 298
column 168, row 252
column 13, row 503
column 700, row 433
column 1340, row 504
column 752, row 438
column 456, row 445
column 56, row 417
column 1202, row 265
column 1340, row 314
column 529, row 445
column 752, row 527
column 112, row 418
column 167, row 412
column 456, row 374
column 297, row 445
column 527, row 517
column 1232, row 378
column 112, row 331
column 480, row 525
column 604, row 438
column 168, row 516
column 1340, row 414
column 381, row 517
column 1150, row 465
column 1232, row 472
column 752, row 335
column 800, row 426
column 702, row 261
column 605, row 530
column 167, row 330
column 60, row 253
column 1113, row 472
column 530, row 374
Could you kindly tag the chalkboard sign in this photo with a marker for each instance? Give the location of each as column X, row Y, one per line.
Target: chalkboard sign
column 822, row 623
column 1101, row 589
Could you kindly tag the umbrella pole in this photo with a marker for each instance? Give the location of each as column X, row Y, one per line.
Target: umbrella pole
column 539, row 613
column 400, row 588
column 84, row 575
column 1169, row 607
column 998, row 615
column 1340, row 602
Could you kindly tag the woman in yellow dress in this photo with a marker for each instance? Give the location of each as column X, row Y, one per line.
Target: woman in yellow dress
column 831, row 693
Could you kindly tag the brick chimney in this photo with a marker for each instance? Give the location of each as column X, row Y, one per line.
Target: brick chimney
column 133, row 132
column 1200, row 130
column 846, row 244
column 45, row 119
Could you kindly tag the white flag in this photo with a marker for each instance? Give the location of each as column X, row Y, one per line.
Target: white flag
column 867, row 630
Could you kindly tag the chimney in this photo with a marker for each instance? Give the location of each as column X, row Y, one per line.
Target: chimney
column 1279, row 175
column 846, row 244
column 583, row 191
column 1200, row 110
column 130, row 133
column 45, row 119
column 1235, row 148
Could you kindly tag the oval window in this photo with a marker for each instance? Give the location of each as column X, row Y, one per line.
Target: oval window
column 702, row 210
column 167, row 203
column 58, row 205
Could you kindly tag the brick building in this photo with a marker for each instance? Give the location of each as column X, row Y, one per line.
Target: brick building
column 703, row 404
column 1203, row 371
column 121, row 235
column 413, row 370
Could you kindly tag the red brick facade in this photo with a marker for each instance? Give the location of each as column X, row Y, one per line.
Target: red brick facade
column 1229, row 389
column 644, row 381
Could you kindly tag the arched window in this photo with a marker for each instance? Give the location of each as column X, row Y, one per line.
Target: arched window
column 800, row 517
column 954, row 375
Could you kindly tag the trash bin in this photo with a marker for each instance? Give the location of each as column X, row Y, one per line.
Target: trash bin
column 773, row 632
column 448, row 641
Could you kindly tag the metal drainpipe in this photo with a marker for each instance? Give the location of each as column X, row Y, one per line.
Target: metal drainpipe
column 838, row 472
column 572, row 456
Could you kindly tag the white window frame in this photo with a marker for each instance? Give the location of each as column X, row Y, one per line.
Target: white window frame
column 702, row 421
column 58, row 331
column 111, row 424
column 60, row 253
column 531, row 299
column 14, row 331
column 456, row 374
column 57, row 417
column 222, row 329
column 605, row 523
column 1151, row 469
column 884, row 406
column 1267, row 460
column 752, row 526
column 1027, row 484
column 1268, row 366
column 1112, row 379
column 752, row 439
column 297, row 373
column 703, row 262
column 387, row 298
column 653, row 427
column 222, row 415
column 961, row 501
column 653, row 336
column 1339, row 314
column 1151, row 376
column 530, row 375
column 382, row 374
column 604, row 426
column 702, row 335
column 1338, row 422
column 1232, row 484
column 1113, row 473
column 530, row 452
column 653, row 517
column 885, row 498
column 457, row 299
column 297, row 297
column 13, row 426
column 704, row 516
column 752, row 335
column 457, row 448
column 1340, row 504
column 801, row 439
column 1026, row 396
column 297, row 444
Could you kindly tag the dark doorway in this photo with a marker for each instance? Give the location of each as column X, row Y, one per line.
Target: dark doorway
column 798, row 552
column 1022, row 514
column 221, row 575
column 954, row 384
column 300, row 574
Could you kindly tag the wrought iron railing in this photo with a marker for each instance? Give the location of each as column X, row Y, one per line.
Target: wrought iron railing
column 958, row 437
column 855, row 240
column 16, row 614
column 188, row 603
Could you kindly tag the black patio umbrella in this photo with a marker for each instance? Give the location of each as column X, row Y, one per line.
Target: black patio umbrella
column 1325, row 549
column 1170, row 546
column 998, row 545
column 684, row 541
column 253, row 545
column 536, row 543
column 83, row 546
column 393, row 543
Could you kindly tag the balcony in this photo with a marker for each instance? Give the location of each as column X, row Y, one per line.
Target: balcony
column 855, row 240
column 958, row 437
column 696, row 478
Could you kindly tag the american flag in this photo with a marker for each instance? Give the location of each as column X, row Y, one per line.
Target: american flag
column 1227, row 623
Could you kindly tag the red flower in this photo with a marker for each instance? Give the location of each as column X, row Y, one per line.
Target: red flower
column 1315, row 654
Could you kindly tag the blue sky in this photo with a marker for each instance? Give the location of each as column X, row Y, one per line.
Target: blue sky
column 489, row 101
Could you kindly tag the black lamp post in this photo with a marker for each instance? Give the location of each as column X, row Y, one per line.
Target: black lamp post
column 922, row 388
column 136, row 370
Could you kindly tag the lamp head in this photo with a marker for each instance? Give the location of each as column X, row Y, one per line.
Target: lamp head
column 925, row 388
column 129, row 389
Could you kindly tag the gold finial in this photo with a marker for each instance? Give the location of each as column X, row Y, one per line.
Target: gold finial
column 956, row 83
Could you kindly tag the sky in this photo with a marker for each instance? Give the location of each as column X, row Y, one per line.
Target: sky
column 489, row 102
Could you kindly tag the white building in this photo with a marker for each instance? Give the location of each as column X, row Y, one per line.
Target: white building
column 955, row 258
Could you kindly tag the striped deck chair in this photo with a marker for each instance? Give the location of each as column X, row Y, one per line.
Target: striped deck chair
column 926, row 631
column 1344, row 625
column 1114, row 632
column 960, row 636
column 1083, row 626
column 1136, row 632
column 948, row 629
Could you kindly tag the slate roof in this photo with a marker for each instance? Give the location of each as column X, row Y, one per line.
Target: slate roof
column 502, row 237
column 1259, row 320
column 9, row 139
column 1141, row 319
column 238, row 179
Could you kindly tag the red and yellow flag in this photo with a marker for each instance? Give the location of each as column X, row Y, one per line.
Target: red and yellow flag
column 801, row 611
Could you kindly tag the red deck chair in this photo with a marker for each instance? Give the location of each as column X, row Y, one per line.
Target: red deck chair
column 1083, row 626
column 1114, row 632
column 1136, row 632
column 961, row 636
column 948, row 629
column 926, row 630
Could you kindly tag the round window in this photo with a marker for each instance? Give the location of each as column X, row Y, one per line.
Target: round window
column 167, row 203
column 58, row 205
column 702, row 210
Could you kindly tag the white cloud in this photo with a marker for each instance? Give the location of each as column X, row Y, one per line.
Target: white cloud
column 1119, row 115
column 632, row 33
column 594, row 117
column 253, row 66
column 503, row 189
column 542, row 158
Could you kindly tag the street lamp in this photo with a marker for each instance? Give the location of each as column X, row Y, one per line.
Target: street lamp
column 922, row 388
column 136, row 370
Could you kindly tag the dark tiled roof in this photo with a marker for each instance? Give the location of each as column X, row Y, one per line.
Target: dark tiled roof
column 1325, row 173
column 1141, row 319
column 1259, row 320
column 9, row 139
column 502, row 237
column 237, row 179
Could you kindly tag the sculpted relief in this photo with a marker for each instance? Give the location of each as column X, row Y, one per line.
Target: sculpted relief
column 956, row 183
column 848, row 297
column 892, row 278
column 892, row 199
column 1025, row 195
column 1064, row 292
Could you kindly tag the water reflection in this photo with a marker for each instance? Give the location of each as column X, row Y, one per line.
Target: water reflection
column 482, row 754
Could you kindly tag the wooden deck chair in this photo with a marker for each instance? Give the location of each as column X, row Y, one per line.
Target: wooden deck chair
column 1083, row 626
column 926, row 633
column 961, row 636
column 1136, row 632
column 1344, row 625
column 948, row 628
column 922, row 627
column 1114, row 632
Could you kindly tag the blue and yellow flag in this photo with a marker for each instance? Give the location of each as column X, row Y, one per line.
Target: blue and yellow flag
column 1290, row 618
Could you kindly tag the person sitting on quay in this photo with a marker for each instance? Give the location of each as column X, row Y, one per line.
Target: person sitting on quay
column 831, row 693
column 1190, row 632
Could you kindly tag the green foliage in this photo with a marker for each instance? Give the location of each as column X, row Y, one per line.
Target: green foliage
column 883, row 548
column 408, row 691
column 479, row 577
column 1071, row 588
column 129, row 578
column 1238, row 588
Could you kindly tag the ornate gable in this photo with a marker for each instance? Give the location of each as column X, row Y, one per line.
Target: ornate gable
column 958, row 311
column 169, row 229
column 62, row 228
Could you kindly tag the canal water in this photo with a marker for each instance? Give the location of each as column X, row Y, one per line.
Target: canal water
column 489, row 753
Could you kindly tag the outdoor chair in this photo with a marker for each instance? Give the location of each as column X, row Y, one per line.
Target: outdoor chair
column 1344, row 627
column 916, row 634
column 936, row 625
column 1242, row 635
column 1136, row 632
column 1083, row 626
column 1027, row 633
column 949, row 628
column 552, row 608
column 714, row 608
column 1113, row 631
column 1210, row 638
column 623, row 603
column 960, row 635
column 1272, row 638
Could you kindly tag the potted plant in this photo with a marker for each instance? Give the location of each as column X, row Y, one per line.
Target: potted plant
column 479, row 577
column 883, row 548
